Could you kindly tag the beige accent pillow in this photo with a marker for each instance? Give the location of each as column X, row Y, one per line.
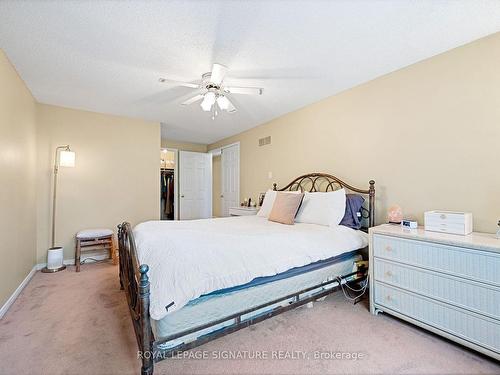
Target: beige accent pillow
column 268, row 203
column 285, row 207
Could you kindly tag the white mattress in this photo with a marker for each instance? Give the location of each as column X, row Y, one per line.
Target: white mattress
column 209, row 308
column 188, row 259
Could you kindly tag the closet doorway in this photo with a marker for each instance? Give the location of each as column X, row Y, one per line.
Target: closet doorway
column 169, row 182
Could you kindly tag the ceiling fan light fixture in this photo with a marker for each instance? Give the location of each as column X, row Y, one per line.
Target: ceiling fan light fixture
column 212, row 91
column 205, row 107
column 208, row 101
column 223, row 102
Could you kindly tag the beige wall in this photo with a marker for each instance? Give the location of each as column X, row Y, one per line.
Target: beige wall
column 429, row 135
column 116, row 177
column 184, row 146
column 17, row 179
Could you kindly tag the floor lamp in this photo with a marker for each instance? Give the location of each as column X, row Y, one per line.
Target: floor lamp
column 64, row 157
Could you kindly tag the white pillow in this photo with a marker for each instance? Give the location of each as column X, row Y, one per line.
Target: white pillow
column 268, row 203
column 322, row 208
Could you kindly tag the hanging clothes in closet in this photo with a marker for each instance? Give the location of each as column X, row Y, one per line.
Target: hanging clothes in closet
column 167, row 194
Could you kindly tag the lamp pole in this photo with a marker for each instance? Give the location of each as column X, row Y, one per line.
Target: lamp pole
column 55, row 255
column 56, row 169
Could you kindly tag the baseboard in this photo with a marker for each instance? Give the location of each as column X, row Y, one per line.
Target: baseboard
column 16, row 293
column 71, row 262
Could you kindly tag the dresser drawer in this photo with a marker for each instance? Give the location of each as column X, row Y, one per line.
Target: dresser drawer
column 446, row 227
column 470, row 295
column 479, row 330
column 476, row 265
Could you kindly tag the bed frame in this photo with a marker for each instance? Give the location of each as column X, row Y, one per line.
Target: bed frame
column 134, row 280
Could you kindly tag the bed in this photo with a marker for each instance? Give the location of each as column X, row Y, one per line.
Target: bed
column 189, row 282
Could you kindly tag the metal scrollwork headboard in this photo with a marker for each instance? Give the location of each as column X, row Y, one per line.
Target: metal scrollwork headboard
column 322, row 182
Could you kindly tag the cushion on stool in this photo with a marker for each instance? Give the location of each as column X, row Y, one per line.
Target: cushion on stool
column 93, row 233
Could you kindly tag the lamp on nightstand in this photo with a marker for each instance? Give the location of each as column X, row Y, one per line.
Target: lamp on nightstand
column 64, row 157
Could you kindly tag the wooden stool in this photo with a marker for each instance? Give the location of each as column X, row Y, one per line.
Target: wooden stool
column 95, row 239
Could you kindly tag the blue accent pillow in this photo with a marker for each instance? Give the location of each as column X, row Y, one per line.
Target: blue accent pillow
column 353, row 205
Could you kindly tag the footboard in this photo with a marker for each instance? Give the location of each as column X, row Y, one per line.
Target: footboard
column 134, row 280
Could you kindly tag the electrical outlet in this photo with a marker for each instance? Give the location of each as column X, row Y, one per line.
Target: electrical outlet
column 269, row 175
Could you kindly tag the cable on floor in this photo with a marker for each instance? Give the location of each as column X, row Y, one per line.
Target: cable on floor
column 347, row 294
column 95, row 260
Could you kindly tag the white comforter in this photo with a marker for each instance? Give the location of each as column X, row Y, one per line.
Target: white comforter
column 190, row 258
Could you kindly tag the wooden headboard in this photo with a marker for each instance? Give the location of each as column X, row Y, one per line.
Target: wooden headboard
column 314, row 182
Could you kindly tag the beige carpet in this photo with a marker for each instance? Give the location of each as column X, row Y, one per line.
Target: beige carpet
column 69, row 323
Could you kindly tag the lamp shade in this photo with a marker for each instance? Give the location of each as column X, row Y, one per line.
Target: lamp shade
column 67, row 158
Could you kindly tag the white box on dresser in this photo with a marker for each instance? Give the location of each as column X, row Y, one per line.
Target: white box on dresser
column 448, row 222
column 445, row 283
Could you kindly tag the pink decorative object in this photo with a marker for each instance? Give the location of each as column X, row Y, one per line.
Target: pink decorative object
column 395, row 214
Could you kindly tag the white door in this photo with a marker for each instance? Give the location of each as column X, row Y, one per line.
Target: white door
column 195, row 187
column 230, row 173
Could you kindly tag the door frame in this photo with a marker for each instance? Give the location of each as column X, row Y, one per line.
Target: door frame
column 176, row 180
column 222, row 169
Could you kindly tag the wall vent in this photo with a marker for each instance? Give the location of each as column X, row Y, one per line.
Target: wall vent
column 265, row 141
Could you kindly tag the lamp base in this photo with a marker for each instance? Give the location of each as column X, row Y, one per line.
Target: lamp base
column 52, row 270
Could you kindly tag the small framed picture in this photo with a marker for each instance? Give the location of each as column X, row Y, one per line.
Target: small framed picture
column 261, row 198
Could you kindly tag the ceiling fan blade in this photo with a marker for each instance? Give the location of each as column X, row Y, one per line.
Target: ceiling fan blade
column 193, row 99
column 244, row 90
column 218, row 73
column 179, row 83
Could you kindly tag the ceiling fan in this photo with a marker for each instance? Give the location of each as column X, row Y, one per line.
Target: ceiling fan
column 213, row 91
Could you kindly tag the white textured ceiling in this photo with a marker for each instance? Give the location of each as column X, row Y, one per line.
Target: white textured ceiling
column 107, row 56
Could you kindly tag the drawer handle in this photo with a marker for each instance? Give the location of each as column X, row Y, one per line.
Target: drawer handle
column 388, row 273
column 442, row 216
column 388, row 298
column 388, row 248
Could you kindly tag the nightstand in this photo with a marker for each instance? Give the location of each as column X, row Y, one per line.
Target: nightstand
column 243, row 211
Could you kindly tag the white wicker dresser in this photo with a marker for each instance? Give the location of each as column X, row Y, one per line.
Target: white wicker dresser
column 448, row 284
